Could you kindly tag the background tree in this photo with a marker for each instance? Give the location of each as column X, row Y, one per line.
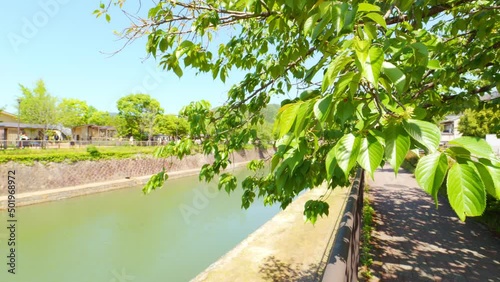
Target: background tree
column 375, row 73
column 72, row 112
column 138, row 113
column 1, row 110
column 171, row 125
column 270, row 113
column 264, row 129
column 264, row 135
column 38, row 106
column 478, row 123
column 97, row 117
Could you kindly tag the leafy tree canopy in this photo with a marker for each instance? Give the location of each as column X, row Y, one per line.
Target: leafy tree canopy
column 97, row 117
column 375, row 72
column 38, row 106
column 171, row 125
column 73, row 112
column 138, row 113
column 480, row 122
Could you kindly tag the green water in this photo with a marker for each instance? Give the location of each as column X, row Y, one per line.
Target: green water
column 121, row 236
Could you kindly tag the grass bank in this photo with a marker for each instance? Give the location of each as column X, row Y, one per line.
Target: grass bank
column 29, row 156
column 365, row 257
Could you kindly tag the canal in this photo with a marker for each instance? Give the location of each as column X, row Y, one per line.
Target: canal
column 170, row 235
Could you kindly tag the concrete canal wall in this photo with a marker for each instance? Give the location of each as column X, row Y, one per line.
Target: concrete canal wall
column 55, row 181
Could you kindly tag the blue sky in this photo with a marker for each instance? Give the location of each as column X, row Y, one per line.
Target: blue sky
column 61, row 42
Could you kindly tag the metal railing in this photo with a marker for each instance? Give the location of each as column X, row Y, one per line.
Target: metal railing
column 344, row 258
column 16, row 144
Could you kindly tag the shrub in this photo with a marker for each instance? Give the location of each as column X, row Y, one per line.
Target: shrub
column 92, row 150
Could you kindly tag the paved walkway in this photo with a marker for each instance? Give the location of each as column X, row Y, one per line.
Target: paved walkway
column 414, row 241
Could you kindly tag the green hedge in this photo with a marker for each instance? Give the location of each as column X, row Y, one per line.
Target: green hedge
column 410, row 162
column 30, row 156
column 491, row 216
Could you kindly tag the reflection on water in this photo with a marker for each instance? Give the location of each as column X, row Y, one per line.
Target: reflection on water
column 170, row 235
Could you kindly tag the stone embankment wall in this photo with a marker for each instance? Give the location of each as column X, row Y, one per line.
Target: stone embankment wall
column 42, row 177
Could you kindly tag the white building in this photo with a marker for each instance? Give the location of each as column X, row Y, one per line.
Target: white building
column 450, row 128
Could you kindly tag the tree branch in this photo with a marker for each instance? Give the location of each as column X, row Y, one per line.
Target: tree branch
column 479, row 90
column 431, row 12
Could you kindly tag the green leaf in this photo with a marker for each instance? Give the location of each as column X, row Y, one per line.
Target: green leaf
column 466, row 191
column 322, row 108
column 420, row 48
column 396, row 76
column 155, row 182
column 320, row 27
column 255, row 165
column 361, row 47
column 333, row 70
column 373, row 65
column 337, row 20
column 343, row 82
column 313, row 208
column 228, row 182
column 349, row 20
column 366, row 7
column 370, row 155
column 377, row 18
column 303, row 115
column 421, row 53
column 108, row 18
column 404, row 5
column 275, row 161
column 430, row 173
column 290, row 3
column 490, row 175
column 397, row 144
column 344, row 110
column 458, row 152
column 477, row 146
column 177, row 70
column 371, row 30
column 346, row 152
column 310, row 22
column 425, row 133
column 353, row 86
column 287, row 118
column 330, row 163
column 433, row 65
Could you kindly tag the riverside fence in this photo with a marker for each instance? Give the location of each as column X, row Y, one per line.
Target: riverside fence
column 11, row 144
column 343, row 261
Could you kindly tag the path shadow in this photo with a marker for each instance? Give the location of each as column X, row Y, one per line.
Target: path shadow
column 414, row 241
column 276, row 270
